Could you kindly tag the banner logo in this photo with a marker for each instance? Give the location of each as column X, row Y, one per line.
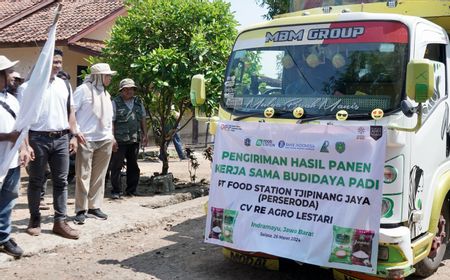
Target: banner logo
column 324, row 148
column 247, row 142
column 376, row 131
column 230, row 127
column 340, row 147
column 361, row 133
column 264, row 143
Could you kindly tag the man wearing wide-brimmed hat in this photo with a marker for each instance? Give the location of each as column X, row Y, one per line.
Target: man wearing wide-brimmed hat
column 130, row 130
column 94, row 116
column 50, row 140
column 9, row 190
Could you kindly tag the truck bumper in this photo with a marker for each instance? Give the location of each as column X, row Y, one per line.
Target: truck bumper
column 395, row 257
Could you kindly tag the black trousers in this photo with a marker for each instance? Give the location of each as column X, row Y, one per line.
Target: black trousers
column 130, row 153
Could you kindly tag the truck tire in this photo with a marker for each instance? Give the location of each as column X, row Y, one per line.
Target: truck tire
column 429, row 265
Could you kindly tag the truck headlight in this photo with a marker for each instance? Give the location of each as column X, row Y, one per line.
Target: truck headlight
column 387, row 207
column 390, row 174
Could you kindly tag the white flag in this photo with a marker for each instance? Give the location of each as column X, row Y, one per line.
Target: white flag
column 31, row 103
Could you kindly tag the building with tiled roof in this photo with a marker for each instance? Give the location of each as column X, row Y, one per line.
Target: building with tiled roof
column 83, row 26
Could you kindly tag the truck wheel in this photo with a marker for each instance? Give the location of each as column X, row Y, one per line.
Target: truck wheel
column 430, row 264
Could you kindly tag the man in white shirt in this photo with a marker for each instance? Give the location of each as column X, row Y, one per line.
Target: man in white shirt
column 9, row 190
column 49, row 138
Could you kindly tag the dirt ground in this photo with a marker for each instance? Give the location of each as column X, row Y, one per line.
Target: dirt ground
column 173, row 249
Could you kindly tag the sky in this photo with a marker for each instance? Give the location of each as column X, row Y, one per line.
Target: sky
column 247, row 12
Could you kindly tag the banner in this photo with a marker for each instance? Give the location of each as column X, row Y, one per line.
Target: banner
column 311, row 193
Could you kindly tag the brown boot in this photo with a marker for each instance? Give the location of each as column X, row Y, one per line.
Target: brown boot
column 34, row 226
column 61, row 228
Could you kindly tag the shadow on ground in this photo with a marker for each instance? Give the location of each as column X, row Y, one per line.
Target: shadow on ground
column 446, row 257
column 189, row 258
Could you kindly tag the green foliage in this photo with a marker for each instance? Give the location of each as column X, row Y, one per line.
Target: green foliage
column 161, row 44
column 262, row 87
column 275, row 7
column 252, row 62
column 208, row 153
column 193, row 164
column 247, row 67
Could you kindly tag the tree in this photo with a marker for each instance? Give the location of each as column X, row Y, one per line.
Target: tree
column 161, row 44
column 275, row 7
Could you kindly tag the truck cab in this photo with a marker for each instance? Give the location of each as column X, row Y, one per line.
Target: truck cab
column 364, row 59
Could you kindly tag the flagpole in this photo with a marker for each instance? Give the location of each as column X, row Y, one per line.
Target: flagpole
column 57, row 13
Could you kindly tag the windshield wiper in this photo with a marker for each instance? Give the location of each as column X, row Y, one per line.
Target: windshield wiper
column 350, row 117
column 307, row 119
column 247, row 116
column 254, row 114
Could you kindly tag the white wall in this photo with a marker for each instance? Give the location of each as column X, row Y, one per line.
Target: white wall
column 28, row 57
column 101, row 33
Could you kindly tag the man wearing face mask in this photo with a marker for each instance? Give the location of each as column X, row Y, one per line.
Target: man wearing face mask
column 94, row 114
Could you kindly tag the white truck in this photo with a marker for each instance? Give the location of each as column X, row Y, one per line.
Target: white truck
column 353, row 62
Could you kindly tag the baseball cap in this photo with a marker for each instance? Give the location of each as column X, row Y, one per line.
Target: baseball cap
column 127, row 83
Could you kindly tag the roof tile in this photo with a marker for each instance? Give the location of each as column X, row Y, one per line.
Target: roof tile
column 76, row 15
column 93, row 45
column 9, row 9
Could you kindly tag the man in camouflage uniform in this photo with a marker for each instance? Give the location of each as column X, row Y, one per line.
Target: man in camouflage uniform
column 130, row 130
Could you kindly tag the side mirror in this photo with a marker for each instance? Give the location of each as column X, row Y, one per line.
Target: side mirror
column 407, row 108
column 198, row 95
column 420, row 80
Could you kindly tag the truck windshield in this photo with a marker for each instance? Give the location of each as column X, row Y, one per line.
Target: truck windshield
column 321, row 78
column 297, row 5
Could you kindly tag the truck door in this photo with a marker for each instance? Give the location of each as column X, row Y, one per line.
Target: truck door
column 430, row 145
